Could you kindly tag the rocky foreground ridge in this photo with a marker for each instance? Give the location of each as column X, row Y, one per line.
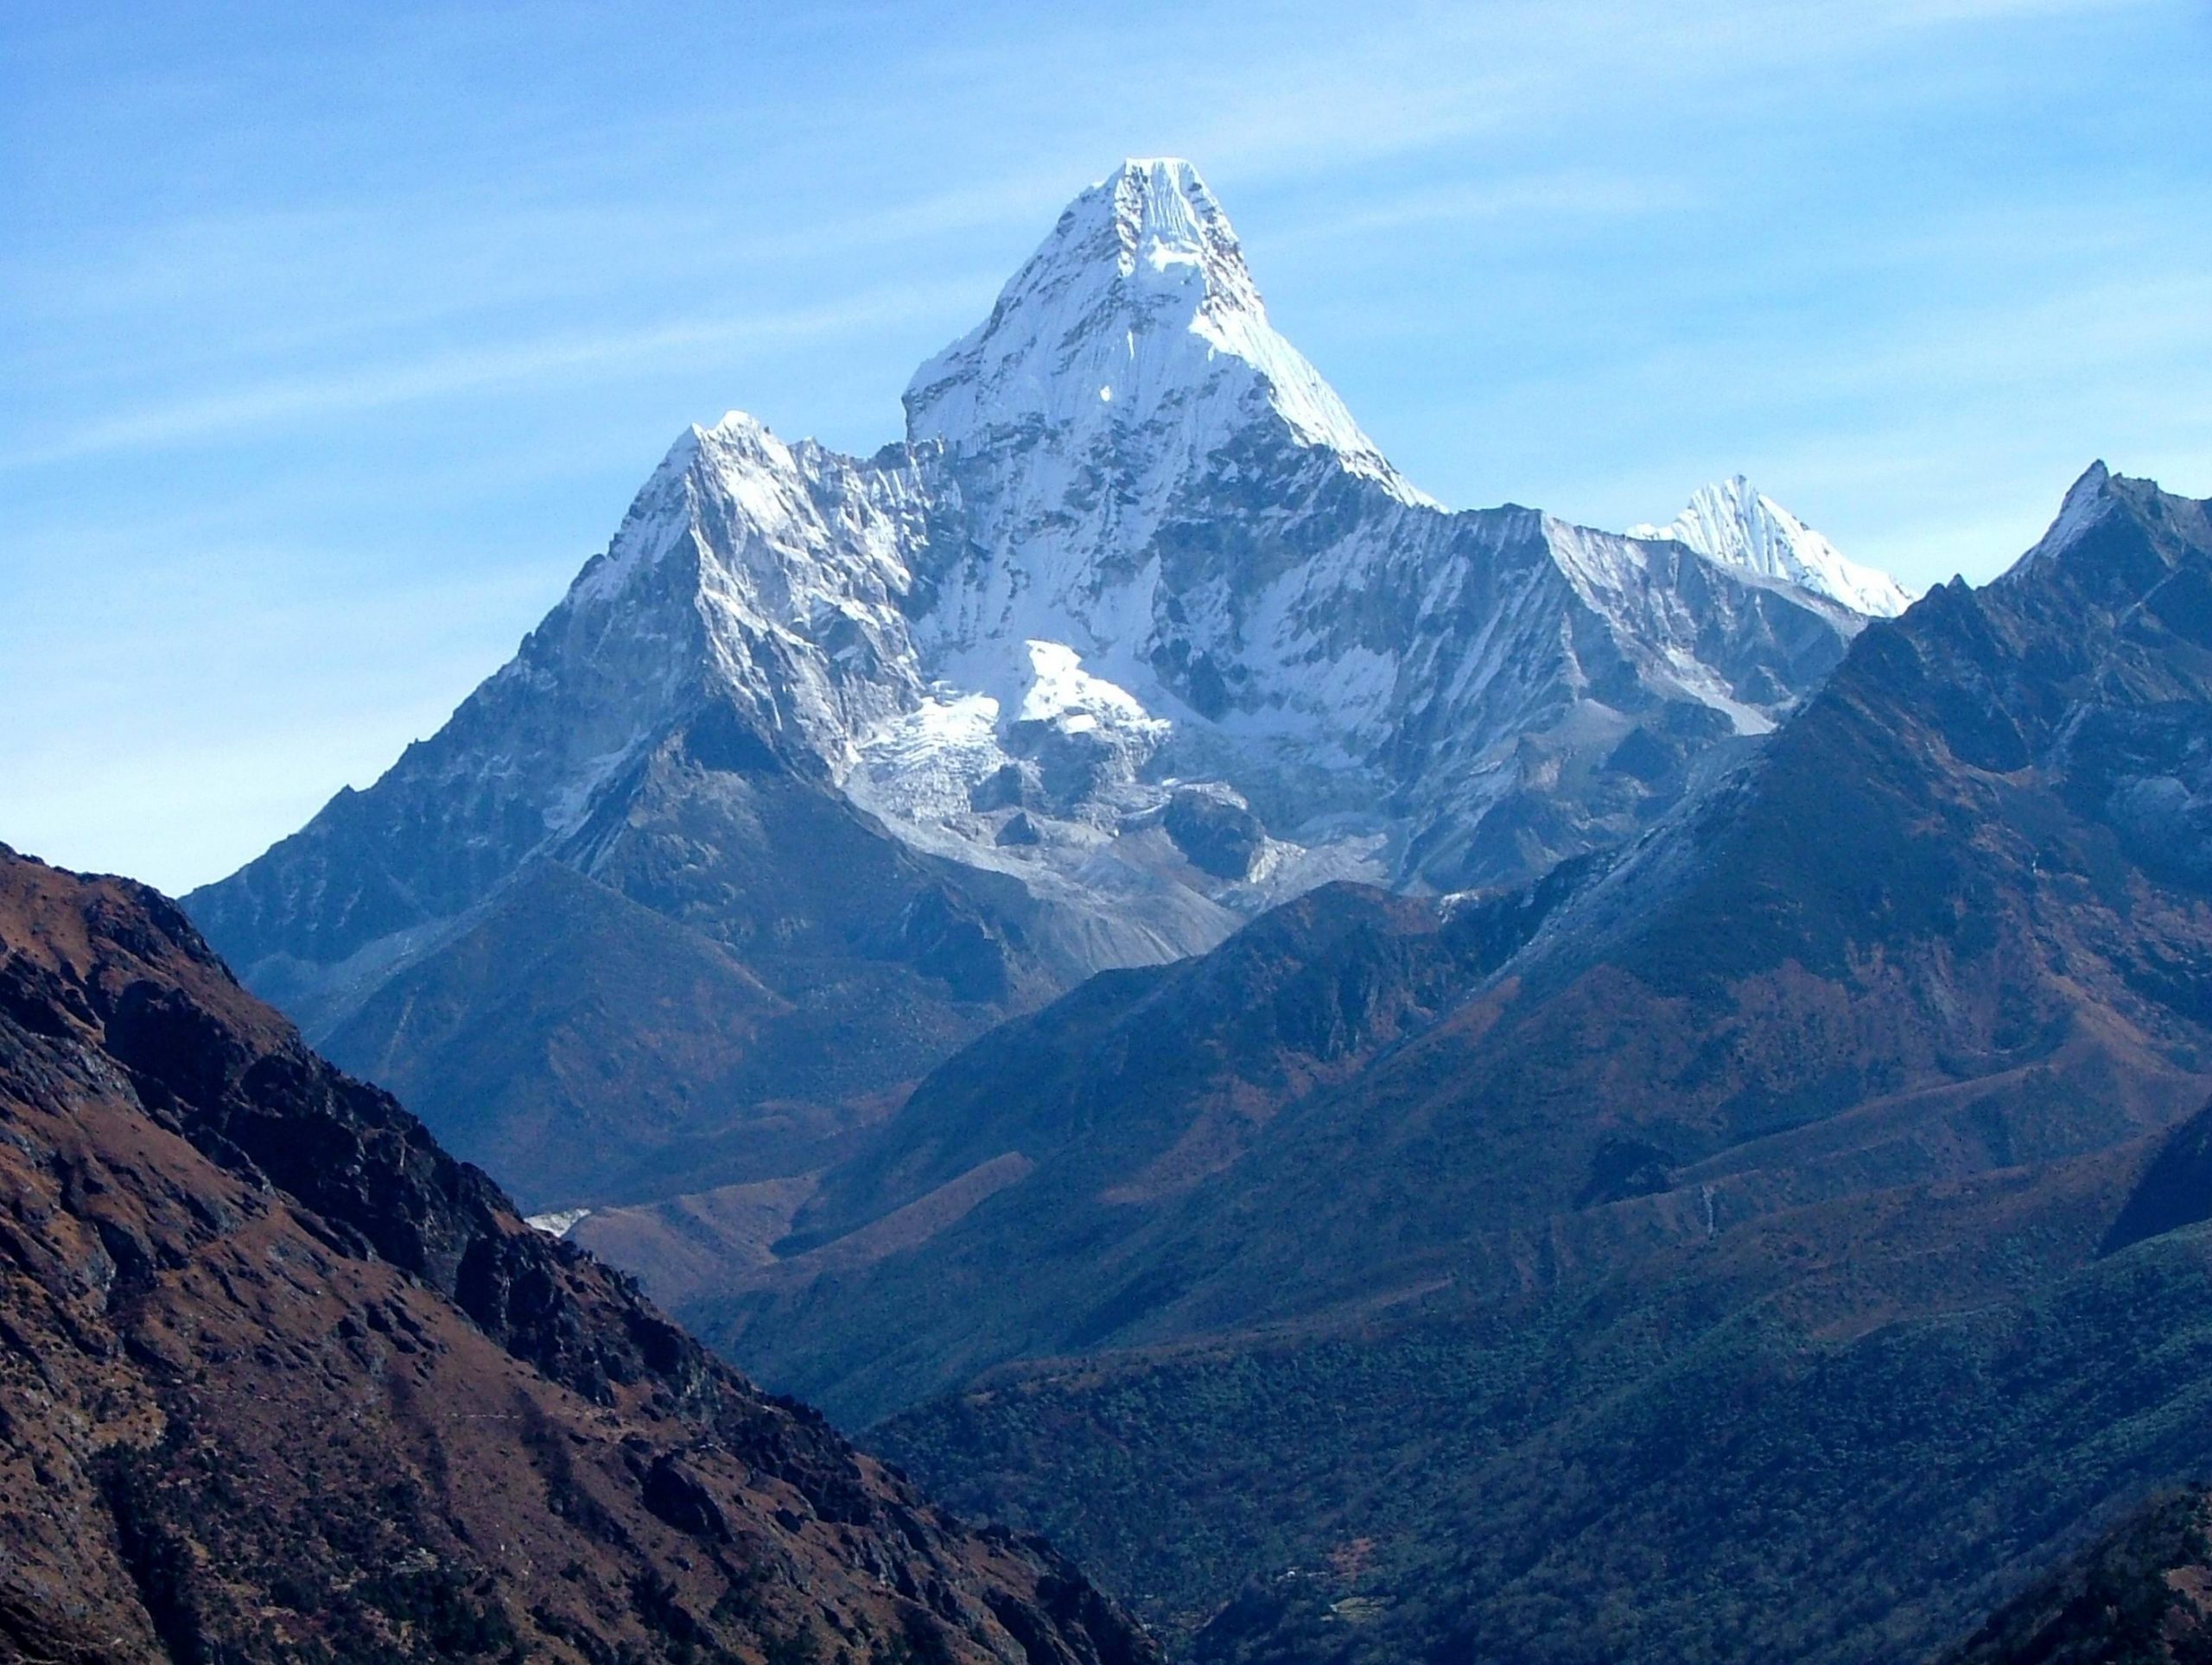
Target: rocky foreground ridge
column 283, row 1381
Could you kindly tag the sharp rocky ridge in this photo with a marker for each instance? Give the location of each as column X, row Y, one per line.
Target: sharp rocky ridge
column 1136, row 633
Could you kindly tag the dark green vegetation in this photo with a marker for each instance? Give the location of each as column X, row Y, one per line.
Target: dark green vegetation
column 1675, row 1471
column 2138, row 1597
column 281, row 1380
column 1716, row 1251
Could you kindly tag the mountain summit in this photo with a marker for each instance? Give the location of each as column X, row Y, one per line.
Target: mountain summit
column 1136, row 320
column 1135, row 635
column 1735, row 523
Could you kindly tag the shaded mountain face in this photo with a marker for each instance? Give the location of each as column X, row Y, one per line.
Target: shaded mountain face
column 285, row 1381
column 2140, row 1595
column 1134, row 635
column 2174, row 1191
column 1815, row 1106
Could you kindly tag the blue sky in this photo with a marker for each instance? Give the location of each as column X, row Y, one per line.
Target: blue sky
column 333, row 339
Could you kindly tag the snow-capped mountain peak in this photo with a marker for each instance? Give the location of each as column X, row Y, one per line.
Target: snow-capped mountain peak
column 1733, row 523
column 1137, row 634
column 1136, row 319
column 1165, row 220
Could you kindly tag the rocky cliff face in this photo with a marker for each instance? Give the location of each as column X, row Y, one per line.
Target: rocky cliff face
column 1134, row 635
column 285, row 1381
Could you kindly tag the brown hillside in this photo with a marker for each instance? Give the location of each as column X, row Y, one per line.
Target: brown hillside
column 285, row 1381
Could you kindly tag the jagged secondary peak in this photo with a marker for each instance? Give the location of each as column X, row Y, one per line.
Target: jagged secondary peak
column 788, row 529
column 1732, row 522
column 2087, row 500
column 748, row 566
column 1138, row 312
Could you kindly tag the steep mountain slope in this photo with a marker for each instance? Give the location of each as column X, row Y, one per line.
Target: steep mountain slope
column 656, row 736
column 1954, row 917
column 1817, row 1102
column 2141, row 1595
column 285, row 1381
column 1840, row 1433
column 1135, row 634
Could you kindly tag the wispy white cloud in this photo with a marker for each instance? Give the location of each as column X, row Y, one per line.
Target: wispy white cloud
column 509, row 366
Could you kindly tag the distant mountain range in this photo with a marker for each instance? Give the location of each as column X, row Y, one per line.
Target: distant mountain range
column 1412, row 1085
column 1953, row 918
column 1775, row 1204
column 1135, row 635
